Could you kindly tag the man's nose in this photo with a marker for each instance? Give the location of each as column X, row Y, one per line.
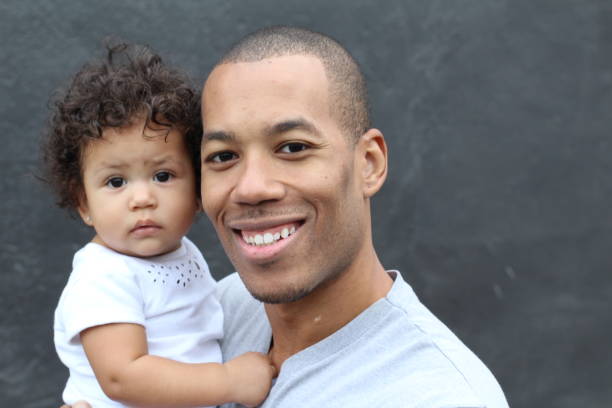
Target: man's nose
column 258, row 182
column 142, row 195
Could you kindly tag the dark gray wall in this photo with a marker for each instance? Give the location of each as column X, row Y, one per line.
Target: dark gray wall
column 499, row 200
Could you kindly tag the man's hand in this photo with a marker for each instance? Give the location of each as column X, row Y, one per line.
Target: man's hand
column 78, row 404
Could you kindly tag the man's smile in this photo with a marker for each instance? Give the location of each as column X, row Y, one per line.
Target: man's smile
column 260, row 241
column 270, row 235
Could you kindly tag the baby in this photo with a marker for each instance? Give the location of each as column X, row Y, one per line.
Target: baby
column 138, row 322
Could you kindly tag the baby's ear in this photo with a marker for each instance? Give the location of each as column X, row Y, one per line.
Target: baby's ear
column 83, row 210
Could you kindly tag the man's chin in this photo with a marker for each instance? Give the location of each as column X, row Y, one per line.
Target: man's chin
column 277, row 293
column 280, row 296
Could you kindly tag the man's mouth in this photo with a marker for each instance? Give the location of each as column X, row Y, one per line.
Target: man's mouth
column 269, row 236
column 257, row 237
column 263, row 240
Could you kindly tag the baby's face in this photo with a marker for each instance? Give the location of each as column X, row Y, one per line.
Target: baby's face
column 139, row 190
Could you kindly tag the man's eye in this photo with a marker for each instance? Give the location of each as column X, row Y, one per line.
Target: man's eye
column 294, row 147
column 116, row 182
column 162, row 176
column 222, row 157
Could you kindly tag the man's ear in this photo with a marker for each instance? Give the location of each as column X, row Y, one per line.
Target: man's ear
column 373, row 158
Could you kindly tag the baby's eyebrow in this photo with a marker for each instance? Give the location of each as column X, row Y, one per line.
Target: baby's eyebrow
column 163, row 159
column 122, row 165
column 106, row 165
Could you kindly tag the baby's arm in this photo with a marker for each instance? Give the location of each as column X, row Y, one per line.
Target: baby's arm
column 126, row 372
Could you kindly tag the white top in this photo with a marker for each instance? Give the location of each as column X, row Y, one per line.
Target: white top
column 396, row 353
column 172, row 296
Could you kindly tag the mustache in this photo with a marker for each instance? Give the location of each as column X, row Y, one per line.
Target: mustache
column 263, row 212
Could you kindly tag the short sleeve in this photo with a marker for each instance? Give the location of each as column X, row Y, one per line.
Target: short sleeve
column 101, row 294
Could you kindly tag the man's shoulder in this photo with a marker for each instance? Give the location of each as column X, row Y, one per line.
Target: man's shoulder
column 230, row 286
column 245, row 323
column 435, row 352
column 234, row 297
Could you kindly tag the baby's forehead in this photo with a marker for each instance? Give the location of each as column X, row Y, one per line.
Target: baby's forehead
column 138, row 144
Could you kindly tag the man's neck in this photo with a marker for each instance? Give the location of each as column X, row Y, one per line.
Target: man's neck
column 300, row 324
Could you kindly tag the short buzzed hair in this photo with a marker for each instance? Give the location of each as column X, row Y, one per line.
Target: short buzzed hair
column 348, row 91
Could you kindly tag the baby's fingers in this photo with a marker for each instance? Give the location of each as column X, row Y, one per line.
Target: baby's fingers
column 78, row 404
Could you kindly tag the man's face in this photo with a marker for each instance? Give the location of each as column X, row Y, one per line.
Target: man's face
column 279, row 180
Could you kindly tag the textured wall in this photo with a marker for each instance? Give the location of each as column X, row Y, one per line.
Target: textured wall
column 498, row 115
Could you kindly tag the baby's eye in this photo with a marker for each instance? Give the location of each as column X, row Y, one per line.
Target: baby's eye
column 293, row 147
column 116, row 182
column 162, row 176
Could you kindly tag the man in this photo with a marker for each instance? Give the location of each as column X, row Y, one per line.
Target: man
column 289, row 164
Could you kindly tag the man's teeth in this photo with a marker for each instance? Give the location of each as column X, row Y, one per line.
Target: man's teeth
column 269, row 238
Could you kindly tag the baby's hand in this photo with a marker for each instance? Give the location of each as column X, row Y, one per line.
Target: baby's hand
column 250, row 376
column 78, row 404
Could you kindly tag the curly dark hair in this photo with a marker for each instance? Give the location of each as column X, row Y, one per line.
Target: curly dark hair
column 110, row 93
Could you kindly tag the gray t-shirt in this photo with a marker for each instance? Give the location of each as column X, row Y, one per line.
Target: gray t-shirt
column 394, row 354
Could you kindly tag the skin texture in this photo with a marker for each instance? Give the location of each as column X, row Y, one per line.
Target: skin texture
column 131, row 181
column 274, row 156
column 139, row 191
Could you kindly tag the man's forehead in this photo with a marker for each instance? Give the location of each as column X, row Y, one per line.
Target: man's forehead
column 281, row 70
column 268, row 96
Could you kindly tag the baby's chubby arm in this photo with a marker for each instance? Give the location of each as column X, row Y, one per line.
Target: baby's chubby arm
column 126, row 372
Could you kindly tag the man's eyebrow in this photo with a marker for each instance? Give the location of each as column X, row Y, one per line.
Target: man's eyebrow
column 278, row 128
column 219, row 135
column 292, row 124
